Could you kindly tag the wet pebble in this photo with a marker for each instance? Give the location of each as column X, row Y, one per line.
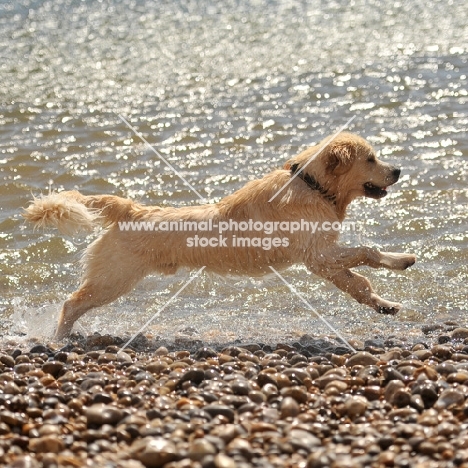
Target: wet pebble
column 289, row 408
column 356, row 406
column 47, row 444
column 362, row 358
column 200, row 448
column 99, row 414
column 154, row 452
column 449, row 397
column 460, row 333
column 53, row 367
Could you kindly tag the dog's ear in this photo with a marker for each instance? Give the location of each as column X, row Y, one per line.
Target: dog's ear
column 340, row 157
column 288, row 164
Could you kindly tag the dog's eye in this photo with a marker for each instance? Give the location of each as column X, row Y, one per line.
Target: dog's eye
column 371, row 159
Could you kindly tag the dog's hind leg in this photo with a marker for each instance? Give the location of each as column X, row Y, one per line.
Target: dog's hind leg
column 109, row 272
column 360, row 288
column 91, row 294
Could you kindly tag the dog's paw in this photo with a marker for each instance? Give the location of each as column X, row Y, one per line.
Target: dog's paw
column 397, row 261
column 393, row 310
column 387, row 307
column 410, row 261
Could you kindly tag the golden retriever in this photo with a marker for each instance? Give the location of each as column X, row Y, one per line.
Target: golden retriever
column 314, row 187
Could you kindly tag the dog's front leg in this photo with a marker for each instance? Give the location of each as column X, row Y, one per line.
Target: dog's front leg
column 360, row 288
column 338, row 258
column 397, row 261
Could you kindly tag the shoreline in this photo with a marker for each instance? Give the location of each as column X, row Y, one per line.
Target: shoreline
column 87, row 404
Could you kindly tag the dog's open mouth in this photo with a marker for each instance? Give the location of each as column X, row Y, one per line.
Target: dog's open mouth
column 372, row 191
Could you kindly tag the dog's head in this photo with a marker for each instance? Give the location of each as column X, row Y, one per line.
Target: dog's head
column 346, row 167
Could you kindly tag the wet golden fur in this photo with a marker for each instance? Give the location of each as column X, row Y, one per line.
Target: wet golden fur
column 345, row 168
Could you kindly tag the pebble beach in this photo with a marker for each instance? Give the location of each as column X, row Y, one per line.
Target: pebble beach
column 310, row 403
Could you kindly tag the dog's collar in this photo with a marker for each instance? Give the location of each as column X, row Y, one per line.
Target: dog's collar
column 311, row 182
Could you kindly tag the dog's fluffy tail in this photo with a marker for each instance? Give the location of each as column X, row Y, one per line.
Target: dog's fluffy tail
column 71, row 212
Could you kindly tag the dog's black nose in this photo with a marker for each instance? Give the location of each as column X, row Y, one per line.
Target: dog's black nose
column 396, row 173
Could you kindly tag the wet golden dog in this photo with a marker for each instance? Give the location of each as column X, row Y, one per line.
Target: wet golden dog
column 326, row 178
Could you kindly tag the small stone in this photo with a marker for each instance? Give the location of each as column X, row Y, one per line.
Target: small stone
column 40, row 349
column 92, row 382
column 106, row 358
column 140, row 376
column 161, row 351
column 24, row 368
column 157, row 367
column 53, row 367
column 336, row 387
column 200, row 448
column 49, row 460
column 122, row 356
column 460, row 333
column 362, row 358
column 391, row 373
column 356, row 406
column 427, row 329
column 458, row 377
column 220, row 410
column 193, row 375
column 7, row 360
column 73, row 357
column 297, row 374
column 204, row 353
column 374, row 343
column 240, row 387
column 100, row 414
column 298, row 393
column 102, row 398
column 442, row 352
column 428, row 392
column 401, row 398
column 442, row 339
column 11, row 389
column 154, row 452
column 429, row 417
column 49, row 430
column 252, row 347
column 12, row 419
column 262, row 427
column 283, row 381
column 101, row 341
column 356, row 344
column 24, row 462
column 47, row 444
column 422, row 354
column 427, row 448
column 445, row 368
column 239, row 446
column 391, row 388
column 417, row 402
column 289, row 408
column 448, row 398
column 391, row 355
column 257, row 397
column 223, row 461
column 372, row 392
column 300, row 439
column 234, row 400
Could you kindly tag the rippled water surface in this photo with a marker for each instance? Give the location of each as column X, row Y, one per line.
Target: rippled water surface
column 227, row 91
